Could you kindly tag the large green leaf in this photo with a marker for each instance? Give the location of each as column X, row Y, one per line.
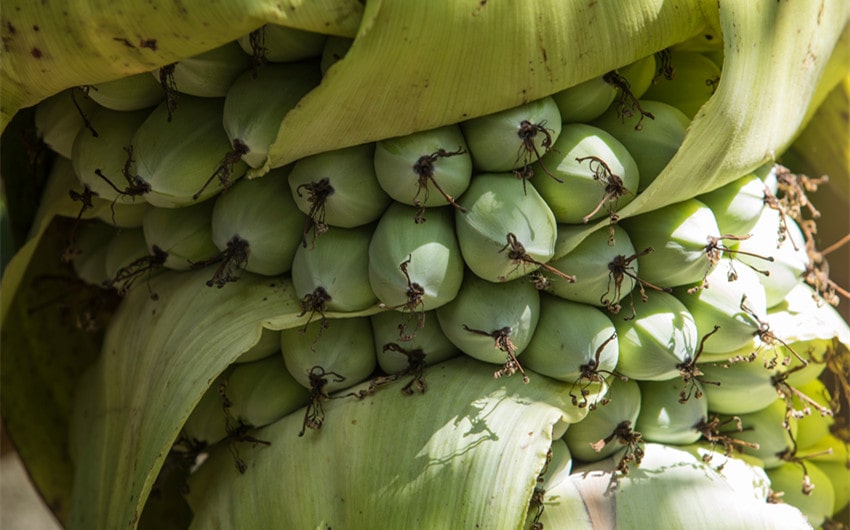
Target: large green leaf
column 395, row 461
column 50, row 46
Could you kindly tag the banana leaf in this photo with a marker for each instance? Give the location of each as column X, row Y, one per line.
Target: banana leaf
column 452, row 61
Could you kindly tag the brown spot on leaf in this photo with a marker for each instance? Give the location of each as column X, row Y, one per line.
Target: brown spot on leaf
column 36, row 53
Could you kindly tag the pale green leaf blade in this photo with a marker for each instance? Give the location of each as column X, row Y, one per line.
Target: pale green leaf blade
column 51, row 46
column 420, row 65
column 465, row 454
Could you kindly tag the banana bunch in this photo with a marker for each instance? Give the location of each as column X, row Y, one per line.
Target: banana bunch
column 316, row 272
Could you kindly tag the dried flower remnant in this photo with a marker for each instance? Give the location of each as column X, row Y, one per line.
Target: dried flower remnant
column 518, row 255
column 527, row 133
column 627, row 105
column 715, row 249
column 259, row 52
column 232, row 262
column 315, row 303
column 424, row 169
column 414, row 302
column 314, row 415
column 127, row 275
column 614, row 189
column 538, row 494
column 711, row 432
column 86, row 123
column 689, row 371
column 618, row 269
column 317, row 195
column 633, row 452
column 665, row 65
column 85, row 198
column 169, row 86
column 224, row 170
column 590, row 373
column 236, row 429
column 502, row 341
column 792, row 395
column 767, row 338
column 415, row 368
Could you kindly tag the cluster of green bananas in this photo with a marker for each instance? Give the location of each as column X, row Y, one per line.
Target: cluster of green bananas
column 553, row 309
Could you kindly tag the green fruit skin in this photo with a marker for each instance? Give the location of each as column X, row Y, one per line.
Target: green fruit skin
column 58, row 121
column 106, row 152
column 431, row 251
column 789, row 256
column 788, row 479
column 337, row 261
column 765, row 428
column 588, row 262
column 625, row 405
column 737, row 206
column 134, row 92
column 567, row 336
column 284, row 44
column 585, row 101
column 678, row 235
column 357, row 198
column 655, row 143
column 395, row 158
column 345, row 347
column 208, row 423
column 269, row 344
column 744, row 386
column 209, row 74
column 185, row 234
column 178, row 157
column 719, row 304
column 639, row 74
column 125, row 247
column 120, row 214
column 692, row 83
column 661, row 336
column 263, row 391
column 663, row 418
column 495, row 207
column 252, row 117
column 261, row 212
column 494, row 142
column 429, row 338
column 580, row 192
column 91, row 246
column 488, row 307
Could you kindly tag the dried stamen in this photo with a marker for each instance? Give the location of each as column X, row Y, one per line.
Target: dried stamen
column 624, row 435
column 415, row 368
column 690, row 371
column 259, row 52
column 414, row 303
column 85, row 197
column 665, row 65
column 232, row 261
column 502, row 341
column 713, row 83
column 618, row 269
column 614, row 189
column 314, row 415
column 315, row 302
column 225, row 167
column 537, row 496
column 714, row 250
column 789, row 394
column 126, row 276
column 169, row 86
column 711, row 432
column 518, row 255
column 317, row 195
column 628, row 104
column 86, row 123
column 768, row 338
column 236, row 429
column 424, row 169
column 527, row 133
column 590, row 373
